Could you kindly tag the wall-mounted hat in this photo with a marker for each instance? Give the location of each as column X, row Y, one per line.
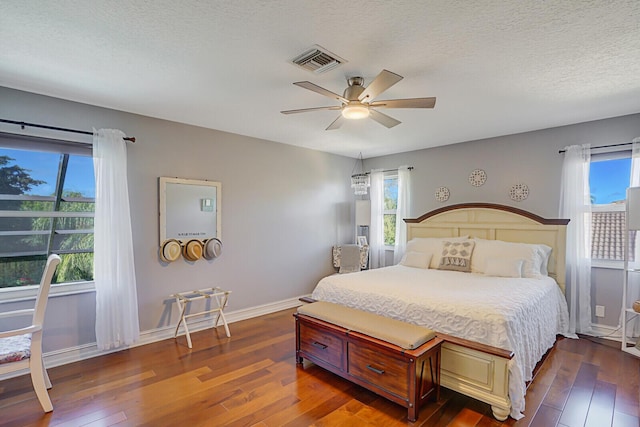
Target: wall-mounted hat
column 192, row 250
column 170, row 250
column 212, row 248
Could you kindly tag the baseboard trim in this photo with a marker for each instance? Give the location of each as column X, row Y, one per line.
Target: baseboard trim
column 607, row 332
column 88, row 351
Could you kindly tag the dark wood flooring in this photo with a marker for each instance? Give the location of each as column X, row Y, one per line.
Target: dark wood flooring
column 251, row 379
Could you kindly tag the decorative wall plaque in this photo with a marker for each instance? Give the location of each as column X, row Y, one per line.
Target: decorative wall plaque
column 442, row 194
column 478, row 177
column 519, row 192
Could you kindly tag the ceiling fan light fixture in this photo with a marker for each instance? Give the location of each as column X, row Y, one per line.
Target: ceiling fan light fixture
column 355, row 111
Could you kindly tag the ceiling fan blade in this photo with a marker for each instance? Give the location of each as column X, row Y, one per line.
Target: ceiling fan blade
column 336, row 123
column 322, row 91
column 406, row 103
column 306, row 110
column 382, row 82
column 383, row 119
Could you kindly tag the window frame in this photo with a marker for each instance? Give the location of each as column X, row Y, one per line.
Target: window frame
column 65, row 149
column 390, row 175
column 603, row 155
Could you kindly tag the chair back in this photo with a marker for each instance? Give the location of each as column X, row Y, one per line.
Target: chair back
column 43, row 291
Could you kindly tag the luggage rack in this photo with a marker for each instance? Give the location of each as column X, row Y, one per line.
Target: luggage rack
column 220, row 296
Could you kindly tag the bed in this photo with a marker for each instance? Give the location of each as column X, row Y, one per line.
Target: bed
column 497, row 325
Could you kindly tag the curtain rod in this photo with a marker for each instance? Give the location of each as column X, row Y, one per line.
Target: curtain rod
column 605, row 146
column 386, row 170
column 34, row 125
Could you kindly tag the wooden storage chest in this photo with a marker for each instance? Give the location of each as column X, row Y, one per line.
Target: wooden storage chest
column 407, row 377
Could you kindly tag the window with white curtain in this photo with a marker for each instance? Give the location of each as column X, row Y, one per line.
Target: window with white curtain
column 609, row 177
column 47, row 195
column 390, row 209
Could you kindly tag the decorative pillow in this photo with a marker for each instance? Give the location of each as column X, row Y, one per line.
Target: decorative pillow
column 456, row 255
column 431, row 245
column 416, row 259
column 337, row 255
column 504, row 267
column 532, row 254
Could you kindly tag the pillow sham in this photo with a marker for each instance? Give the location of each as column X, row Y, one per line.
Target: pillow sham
column 416, row 259
column 456, row 256
column 504, row 267
column 532, row 255
column 545, row 253
column 431, row 245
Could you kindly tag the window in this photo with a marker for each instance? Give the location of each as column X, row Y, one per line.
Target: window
column 609, row 177
column 47, row 193
column 390, row 208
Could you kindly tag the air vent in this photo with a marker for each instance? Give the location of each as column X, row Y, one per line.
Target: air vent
column 318, row 60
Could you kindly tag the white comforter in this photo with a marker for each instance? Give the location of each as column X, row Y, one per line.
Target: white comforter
column 522, row 315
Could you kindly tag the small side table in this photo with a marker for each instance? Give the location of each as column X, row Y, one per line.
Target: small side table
column 220, row 296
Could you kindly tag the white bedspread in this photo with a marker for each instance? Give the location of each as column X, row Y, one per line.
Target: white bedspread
column 522, row 315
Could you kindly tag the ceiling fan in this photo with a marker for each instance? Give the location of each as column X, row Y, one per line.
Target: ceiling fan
column 357, row 102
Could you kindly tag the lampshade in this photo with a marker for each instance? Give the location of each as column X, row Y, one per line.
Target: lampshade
column 633, row 208
column 363, row 212
column 355, row 110
column 360, row 181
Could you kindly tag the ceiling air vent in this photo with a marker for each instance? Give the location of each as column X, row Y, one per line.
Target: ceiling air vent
column 318, row 60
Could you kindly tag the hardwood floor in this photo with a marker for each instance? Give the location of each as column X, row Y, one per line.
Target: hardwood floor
column 251, row 379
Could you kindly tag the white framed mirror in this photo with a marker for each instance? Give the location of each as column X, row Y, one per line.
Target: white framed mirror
column 189, row 209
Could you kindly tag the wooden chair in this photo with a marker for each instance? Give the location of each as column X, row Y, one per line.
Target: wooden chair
column 22, row 348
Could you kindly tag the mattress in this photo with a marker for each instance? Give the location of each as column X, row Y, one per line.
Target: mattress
column 518, row 314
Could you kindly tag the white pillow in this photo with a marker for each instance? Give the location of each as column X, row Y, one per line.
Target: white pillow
column 416, row 259
column 530, row 253
column 431, row 245
column 504, row 267
column 545, row 253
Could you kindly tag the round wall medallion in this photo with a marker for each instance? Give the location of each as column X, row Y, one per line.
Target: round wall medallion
column 519, row 192
column 442, row 194
column 478, row 177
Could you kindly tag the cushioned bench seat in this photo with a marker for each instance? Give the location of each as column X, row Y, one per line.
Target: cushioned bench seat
column 402, row 334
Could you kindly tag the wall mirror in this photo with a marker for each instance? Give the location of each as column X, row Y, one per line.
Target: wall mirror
column 189, row 209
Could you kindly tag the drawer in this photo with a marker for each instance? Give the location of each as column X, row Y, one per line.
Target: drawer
column 324, row 345
column 380, row 369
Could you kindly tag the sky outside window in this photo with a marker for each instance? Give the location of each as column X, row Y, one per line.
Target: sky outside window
column 608, row 180
column 43, row 166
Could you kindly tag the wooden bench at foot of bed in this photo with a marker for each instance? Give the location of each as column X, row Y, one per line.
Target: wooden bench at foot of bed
column 396, row 360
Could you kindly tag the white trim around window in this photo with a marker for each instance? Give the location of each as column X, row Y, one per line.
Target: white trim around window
column 28, row 293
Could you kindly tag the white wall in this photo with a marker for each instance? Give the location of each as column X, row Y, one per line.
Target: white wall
column 283, row 207
column 531, row 158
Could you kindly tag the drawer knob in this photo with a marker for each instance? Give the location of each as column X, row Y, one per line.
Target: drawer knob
column 376, row 370
column 319, row 345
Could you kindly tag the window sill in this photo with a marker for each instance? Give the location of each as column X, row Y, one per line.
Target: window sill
column 612, row 265
column 26, row 293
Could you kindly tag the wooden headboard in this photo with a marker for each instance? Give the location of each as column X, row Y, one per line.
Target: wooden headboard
column 496, row 222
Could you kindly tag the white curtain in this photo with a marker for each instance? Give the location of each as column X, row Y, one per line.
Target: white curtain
column 116, row 299
column 634, row 285
column 575, row 204
column 376, row 237
column 402, row 212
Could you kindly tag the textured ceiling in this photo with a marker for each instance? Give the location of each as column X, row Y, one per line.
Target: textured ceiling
column 496, row 67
